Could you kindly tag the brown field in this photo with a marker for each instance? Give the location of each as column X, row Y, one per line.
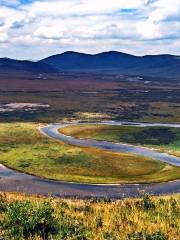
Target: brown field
column 72, row 96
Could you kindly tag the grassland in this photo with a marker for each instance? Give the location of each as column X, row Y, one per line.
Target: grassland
column 162, row 138
column 146, row 218
column 24, row 148
column 90, row 97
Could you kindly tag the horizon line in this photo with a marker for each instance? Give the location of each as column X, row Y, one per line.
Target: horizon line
column 91, row 54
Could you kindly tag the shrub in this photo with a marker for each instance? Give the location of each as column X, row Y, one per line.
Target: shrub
column 44, row 222
column 146, row 236
column 174, row 206
column 99, row 222
column 3, row 203
column 109, row 236
column 146, row 201
column 151, row 135
column 25, row 221
column 72, row 229
column 101, row 200
column 86, row 209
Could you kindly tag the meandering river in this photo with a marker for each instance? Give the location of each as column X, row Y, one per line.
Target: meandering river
column 53, row 132
column 13, row 181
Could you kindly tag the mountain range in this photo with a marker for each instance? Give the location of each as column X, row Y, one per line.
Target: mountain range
column 156, row 66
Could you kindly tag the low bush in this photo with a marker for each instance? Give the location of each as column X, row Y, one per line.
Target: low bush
column 25, row 221
column 146, row 201
column 32, row 218
column 146, row 236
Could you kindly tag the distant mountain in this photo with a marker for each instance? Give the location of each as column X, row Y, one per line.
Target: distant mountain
column 151, row 65
column 80, row 61
column 11, row 65
column 155, row 66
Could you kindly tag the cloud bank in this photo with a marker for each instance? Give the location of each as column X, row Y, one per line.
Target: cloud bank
column 33, row 29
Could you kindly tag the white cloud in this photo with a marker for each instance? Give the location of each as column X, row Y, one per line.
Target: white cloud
column 3, row 36
column 158, row 15
column 148, row 29
column 164, row 9
column 44, row 27
column 50, row 32
column 55, row 7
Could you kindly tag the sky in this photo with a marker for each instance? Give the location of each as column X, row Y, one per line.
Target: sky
column 34, row 29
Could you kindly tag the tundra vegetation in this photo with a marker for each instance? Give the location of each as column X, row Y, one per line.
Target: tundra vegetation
column 32, row 217
column 88, row 97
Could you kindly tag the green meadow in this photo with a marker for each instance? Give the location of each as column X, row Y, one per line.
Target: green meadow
column 162, row 138
column 24, row 148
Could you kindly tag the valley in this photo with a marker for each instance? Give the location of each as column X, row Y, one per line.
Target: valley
column 89, row 120
column 41, row 173
column 90, row 97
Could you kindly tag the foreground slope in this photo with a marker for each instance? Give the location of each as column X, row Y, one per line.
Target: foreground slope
column 147, row 218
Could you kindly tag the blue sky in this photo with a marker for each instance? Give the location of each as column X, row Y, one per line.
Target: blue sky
column 34, row 29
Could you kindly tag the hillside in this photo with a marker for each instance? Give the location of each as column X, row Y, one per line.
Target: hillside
column 8, row 65
column 161, row 67
column 146, row 218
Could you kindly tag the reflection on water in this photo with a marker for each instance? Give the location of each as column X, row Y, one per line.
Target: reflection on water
column 5, row 172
